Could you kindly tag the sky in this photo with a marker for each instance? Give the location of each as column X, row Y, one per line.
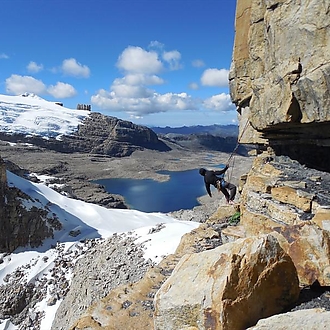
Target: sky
column 93, row 221
column 152, row 62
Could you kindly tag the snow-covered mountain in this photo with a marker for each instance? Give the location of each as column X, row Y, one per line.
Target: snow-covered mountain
column 36, row 265
column 32, row 271
column 30, row 119
column 29, row 114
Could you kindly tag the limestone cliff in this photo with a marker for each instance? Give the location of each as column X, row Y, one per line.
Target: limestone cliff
column 292, row 202
column 279, row 80
column 280, row 77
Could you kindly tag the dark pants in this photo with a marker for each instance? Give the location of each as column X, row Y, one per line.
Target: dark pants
column 230, row 196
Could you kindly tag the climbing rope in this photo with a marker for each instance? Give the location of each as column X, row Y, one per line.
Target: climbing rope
column 231, row 157
column 238, row 141
column 231, row 169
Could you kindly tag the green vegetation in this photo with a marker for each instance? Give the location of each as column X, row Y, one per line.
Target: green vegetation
column 235, row 218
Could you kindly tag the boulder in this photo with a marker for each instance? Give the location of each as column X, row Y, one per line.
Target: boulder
column 230, row 287
column 309, row 248
column 297, row 198
column 232, row 233
column 322, row 218
column 201, row 237
column 3, row 188
column 223, row 214
column 261, row 212
column 311, row 319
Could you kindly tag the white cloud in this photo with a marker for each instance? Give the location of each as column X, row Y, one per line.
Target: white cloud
column 139, row 79
column 130, row 91
column 131, row 94
column 173, row 59
column 156, row 45
column 219, row 102
column 138, row 60
column 73, row 68
column 215, row 77
column 33, row 67
column 17, row 85
column 54, row 70
column 62, row 90
column 138, row 102
column 4, row 56
column 197, row 63
column 193, row 86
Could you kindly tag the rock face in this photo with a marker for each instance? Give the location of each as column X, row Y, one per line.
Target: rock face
column 119, row 261
column 129, row 306
column 292, row 201
column 111, row 136
column 21, row 225
column 230, row 287
column 99, row 134
column 3, row 187
column 309, row 249
column 288, row 110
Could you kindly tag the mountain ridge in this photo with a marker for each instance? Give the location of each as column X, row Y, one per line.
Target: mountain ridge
column 217, row 130
column 30, row 119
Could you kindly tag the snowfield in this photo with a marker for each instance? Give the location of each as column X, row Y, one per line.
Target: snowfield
column 29, row 114
column 92, row 221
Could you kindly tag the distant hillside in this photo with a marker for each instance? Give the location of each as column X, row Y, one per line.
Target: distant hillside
column 216, row 130
column 204, row 141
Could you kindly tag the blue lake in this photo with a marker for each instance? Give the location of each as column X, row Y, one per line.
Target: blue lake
column 147, row 195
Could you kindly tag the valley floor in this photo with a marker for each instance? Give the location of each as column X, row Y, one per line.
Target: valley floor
column 77, row 170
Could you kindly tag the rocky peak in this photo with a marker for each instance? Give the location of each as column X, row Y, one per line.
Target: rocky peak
column 279, row 77
column 115, row 137
column 98, row 134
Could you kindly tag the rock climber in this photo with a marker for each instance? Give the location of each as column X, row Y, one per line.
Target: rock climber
column 211, row 178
